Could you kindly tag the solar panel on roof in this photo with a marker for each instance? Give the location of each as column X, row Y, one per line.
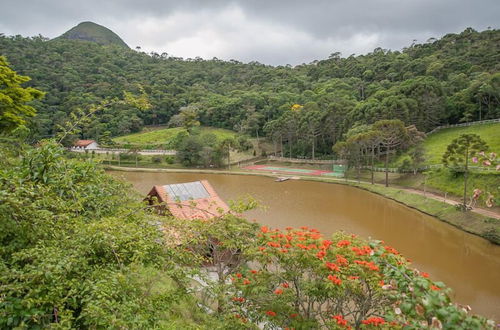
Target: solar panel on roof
column 186, row 191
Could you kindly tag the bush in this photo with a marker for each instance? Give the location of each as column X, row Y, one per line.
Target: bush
column 169, row 159
column 156, row 159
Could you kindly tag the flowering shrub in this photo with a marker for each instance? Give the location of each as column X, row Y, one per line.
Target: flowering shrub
column 298, row 279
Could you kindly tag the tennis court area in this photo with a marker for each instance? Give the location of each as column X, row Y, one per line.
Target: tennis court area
column 338, row 170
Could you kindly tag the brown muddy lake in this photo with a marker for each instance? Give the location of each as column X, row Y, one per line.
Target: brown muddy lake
column 468, row 264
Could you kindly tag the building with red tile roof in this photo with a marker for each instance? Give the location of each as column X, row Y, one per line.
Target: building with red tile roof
column 190, row 200
column 86, row 144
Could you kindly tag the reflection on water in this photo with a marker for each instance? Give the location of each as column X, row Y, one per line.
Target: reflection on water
column 466, row 263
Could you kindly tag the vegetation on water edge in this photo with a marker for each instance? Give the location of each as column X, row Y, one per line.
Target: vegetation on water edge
column 79, row 251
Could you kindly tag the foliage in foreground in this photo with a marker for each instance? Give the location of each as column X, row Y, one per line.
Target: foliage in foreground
column 78, row 252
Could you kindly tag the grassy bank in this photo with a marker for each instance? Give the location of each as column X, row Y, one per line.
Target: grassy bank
column 470, row 222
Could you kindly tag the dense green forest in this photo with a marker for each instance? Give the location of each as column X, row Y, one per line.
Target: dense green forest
column 450, row 80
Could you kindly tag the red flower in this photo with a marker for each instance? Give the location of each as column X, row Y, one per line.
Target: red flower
column 326, row 243
column 274, row 244
column 353, row 277
column 364, row 250
column 340, row 320
column 271, row 313
column 332, row 266
column 343, row 243
column 253, row 271
column 302, row 246
column 320, row 254
column 341, row 260
column 334, row 279
column 435, row 288
column 424, row 274
column 246, row 281
column 312, row 246
column 390, row 249
column 315, row 236
column 374, row 321
column 288, row 228
column 278, row 291
column 264, row 229
column 239, row 299
column 304, row 227
column 289, row 237
column 261, row 248
column 284, row 251
column 285, row 285
column 238, row 275
column 294, row 315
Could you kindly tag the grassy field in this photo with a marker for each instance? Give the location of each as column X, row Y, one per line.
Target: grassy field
column 435, row 144
column 165, row 136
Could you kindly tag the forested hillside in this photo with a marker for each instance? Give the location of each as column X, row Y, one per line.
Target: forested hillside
column 450, row 80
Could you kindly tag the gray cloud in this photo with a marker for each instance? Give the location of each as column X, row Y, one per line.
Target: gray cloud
column 272, row 32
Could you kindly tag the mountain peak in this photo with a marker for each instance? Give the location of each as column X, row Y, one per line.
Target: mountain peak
column 90, row 31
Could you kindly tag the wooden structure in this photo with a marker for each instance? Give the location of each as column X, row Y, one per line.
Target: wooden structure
column 190, row 200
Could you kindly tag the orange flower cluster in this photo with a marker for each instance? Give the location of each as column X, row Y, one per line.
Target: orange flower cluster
column 239, row 299
column 376, row 321
column 390, row 249
column 340, row 320
column 362, row 251
column 332, row 266
column 341, row 260
column 334, row 279
column 343, row 243
column 370, row 265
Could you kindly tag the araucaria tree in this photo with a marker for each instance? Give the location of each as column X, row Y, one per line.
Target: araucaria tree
column 392, row 135
column 458, row 153
column 13, row 98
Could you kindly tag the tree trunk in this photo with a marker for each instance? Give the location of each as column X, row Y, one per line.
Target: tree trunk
column 313, row 143
column 387, row 167
column 465, row 176
column 373, row 156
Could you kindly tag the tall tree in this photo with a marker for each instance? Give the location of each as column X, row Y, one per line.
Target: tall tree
column 458, row 153
column 392, row 134
column 13, row 98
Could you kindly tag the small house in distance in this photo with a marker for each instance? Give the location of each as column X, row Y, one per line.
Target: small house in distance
column 85, row 144
column 190, row 200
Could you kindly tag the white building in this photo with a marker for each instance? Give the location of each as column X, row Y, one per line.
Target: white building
column 86, row 145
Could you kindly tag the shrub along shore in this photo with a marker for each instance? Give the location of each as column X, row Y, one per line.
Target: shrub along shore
column 471, row 222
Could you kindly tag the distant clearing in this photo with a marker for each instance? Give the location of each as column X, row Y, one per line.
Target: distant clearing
column 435, row 144
column 166, row 136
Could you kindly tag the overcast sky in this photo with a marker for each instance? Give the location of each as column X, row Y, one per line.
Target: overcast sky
column 268, row 31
